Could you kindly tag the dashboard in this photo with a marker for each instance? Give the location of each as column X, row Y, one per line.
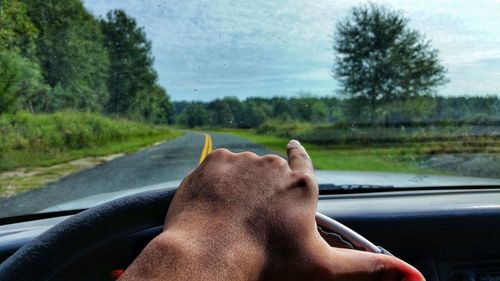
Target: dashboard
column 448, row 234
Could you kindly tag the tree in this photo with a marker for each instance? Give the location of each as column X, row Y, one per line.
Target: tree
column 132, row 82
column 17, row 32
column 333, row 106
column 407, row 111
column 71, row 52
column 21, row 83
column 10, row 71
column 193, row 115
column 282, row 108
column 252, row 115
column 153, row 106
column 131, row 74
column 309, row 108
column 225, row 111
column 379, row 59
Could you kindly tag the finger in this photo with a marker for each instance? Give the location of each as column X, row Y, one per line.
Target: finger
column 344, row 264
column 298, row 159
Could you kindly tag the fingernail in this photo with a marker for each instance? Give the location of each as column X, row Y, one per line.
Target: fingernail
column 293, row 144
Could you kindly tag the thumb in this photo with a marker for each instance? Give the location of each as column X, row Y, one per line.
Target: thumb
column 344, row 264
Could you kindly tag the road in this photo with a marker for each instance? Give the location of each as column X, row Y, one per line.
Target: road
column 167, row 161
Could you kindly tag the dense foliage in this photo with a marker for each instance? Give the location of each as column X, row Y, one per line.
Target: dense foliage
column 55, row 55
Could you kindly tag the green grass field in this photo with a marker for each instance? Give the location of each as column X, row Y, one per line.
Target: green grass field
column 383, row 159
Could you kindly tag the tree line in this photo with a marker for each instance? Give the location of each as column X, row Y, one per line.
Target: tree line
column 55, row 55
column 253, row 112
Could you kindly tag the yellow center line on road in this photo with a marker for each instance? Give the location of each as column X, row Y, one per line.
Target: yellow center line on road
column 207, row 147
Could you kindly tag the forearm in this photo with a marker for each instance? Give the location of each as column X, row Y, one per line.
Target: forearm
column 181, row 256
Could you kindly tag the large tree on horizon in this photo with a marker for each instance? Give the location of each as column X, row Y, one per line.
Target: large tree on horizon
column 379, row 60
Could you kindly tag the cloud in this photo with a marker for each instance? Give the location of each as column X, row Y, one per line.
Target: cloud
column 261, row 47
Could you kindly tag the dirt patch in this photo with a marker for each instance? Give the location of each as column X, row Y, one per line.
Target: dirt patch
column 470, row 164
column 24, row 179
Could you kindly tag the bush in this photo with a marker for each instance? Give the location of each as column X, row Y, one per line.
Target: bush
column 283, row 128
column 66, row 130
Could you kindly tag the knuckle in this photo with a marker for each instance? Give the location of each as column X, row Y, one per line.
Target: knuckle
column 274, row 159
column 306, row 181
column 248, row 154
column 386, row 268
column 379, row 270
column 219, row 153
column 302, row 176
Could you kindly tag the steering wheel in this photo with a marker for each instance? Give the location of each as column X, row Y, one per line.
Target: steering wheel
column 67, row 242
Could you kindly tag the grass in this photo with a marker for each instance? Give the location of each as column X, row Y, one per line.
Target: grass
column 28, row 140
column 37, row 149
column 382, row 159
column 464, row 149
column 28, row 158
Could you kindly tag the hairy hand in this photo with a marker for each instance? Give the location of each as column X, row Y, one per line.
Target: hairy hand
column 244, row 217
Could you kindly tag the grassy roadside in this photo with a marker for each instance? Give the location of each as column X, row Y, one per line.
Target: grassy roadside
column 50, row 166
column 29, row 159
column 37, row 149
column 382, row 159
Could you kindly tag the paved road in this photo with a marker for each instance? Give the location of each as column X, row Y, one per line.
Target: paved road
column 168, row 161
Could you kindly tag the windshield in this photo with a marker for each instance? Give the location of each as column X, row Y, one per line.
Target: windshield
column 101, row 99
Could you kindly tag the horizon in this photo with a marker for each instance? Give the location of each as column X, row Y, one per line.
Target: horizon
column 208, row 50
column 300, row 95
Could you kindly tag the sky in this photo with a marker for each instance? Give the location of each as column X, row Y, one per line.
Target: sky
column 209, row 48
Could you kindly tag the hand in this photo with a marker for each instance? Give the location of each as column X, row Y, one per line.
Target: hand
column 245, row 217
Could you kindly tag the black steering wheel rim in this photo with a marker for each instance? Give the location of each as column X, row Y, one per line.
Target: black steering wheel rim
column 60, row 246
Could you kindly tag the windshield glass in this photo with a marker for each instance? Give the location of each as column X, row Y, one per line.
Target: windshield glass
column 101, row 99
